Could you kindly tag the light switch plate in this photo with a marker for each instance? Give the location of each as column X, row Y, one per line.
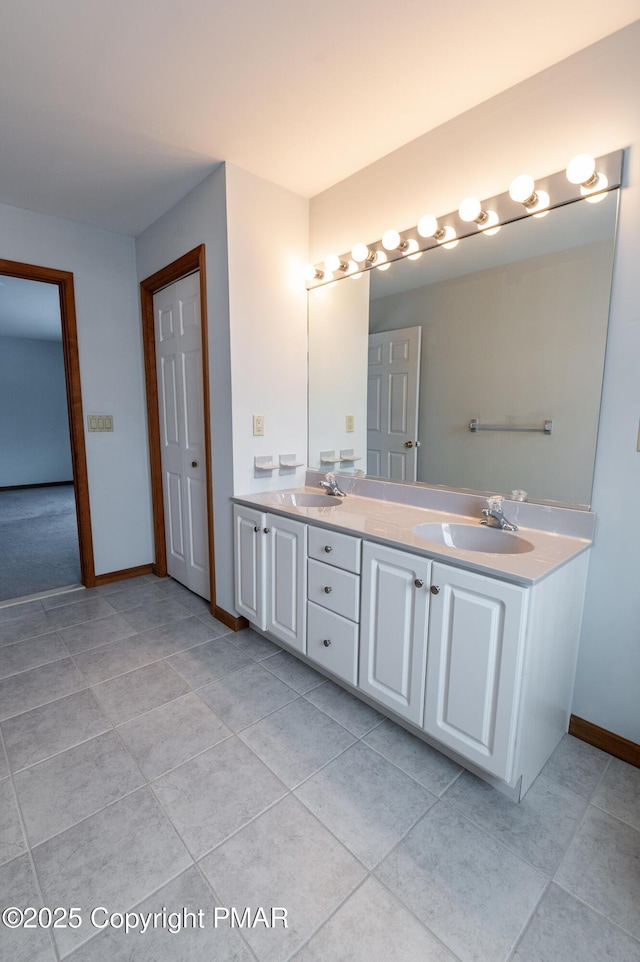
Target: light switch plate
column 100, row 422
column 258, row 425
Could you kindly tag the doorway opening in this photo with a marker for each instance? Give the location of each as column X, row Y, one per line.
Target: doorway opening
column 44, row 501
column 167, row 488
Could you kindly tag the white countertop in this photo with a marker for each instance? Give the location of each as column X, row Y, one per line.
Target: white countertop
column 392, row 523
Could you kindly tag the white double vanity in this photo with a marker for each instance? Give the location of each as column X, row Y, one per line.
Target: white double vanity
column 472, row 650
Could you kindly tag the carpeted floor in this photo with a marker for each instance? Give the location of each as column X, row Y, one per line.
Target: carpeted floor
column 38, row 540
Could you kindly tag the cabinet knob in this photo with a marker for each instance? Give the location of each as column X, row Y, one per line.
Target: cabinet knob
column 194, row 464
column 435, row 589
column 266, row 530
column 257, row 527
column 418, row 582
column 328, row 589
column 326, row 642
column 328, row 548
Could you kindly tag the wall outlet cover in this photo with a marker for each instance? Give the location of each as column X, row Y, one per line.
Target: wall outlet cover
column 349, row 423
column 258, row 425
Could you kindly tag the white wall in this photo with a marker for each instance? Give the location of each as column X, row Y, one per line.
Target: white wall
column 34, row 423
column 256, row 238
column 201, row 218
column 111, row 371
column 268, row 230
column 589, row 102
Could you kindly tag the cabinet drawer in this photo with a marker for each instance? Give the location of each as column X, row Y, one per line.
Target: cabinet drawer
column 334, row 589
column 340, row 550
column 340, row 655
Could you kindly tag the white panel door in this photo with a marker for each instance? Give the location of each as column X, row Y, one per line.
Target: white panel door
column 476, row 643
column 178, row 335
column 392, row 404
column 393, row 632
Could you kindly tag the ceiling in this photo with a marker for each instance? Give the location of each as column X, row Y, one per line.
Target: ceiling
column 112, row 110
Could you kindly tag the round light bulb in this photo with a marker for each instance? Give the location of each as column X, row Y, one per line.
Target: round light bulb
column 427, row 225
column 411, row 248
column 359, row 252
column 332, row 262
column 308, row 272
column 490, row 224
column 448, row 237
column 355, row 277
column 381, row 261
column 470, row 209
column 522, row 188
column 391, row 240
column 352, row 268
column 581, row 169
column 601, row 184
column 541, row 207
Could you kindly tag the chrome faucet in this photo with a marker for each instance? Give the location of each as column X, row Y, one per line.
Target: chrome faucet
column 493, row 516
column 331, row 487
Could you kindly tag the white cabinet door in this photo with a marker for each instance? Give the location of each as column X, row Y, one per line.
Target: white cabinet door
column 250, row 564
column 476, row 644
column 178, row 335
column 286, row 542
column 393, row 636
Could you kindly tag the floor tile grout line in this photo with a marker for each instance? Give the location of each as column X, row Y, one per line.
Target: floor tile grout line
column 42, row 664
column 218, row 901
column 405, row 772
column 601, row 915
column 618, row 818
column 29, row 850
column 408, row 908
column 492, row 833
column 73, row 691
column 141, row 634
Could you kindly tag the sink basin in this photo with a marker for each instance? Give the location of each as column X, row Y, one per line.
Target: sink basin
column 471, row 537
column 306, row 499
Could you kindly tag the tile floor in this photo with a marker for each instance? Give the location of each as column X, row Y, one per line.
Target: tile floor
column 152, row 759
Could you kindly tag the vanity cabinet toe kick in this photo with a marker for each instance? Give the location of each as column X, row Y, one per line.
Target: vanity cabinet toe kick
column 479, row 667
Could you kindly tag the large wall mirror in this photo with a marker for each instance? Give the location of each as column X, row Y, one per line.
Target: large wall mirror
column 506, row 330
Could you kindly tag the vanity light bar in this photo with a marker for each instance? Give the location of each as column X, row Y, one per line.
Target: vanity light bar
column 586, row 178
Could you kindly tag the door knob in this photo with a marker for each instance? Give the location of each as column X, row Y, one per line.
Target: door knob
column 418, row 582
column 266, row 530
column 408, row 444
column 256, row 527
column 328, row 548
column 194, row 464
column 327, row 590
column 326, row 642
column 435, row 589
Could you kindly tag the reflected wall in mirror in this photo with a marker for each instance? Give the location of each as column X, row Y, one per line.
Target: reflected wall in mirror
column 513, row 331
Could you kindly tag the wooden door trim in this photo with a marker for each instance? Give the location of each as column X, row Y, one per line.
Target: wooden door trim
column 64, row 282
column 193, row 260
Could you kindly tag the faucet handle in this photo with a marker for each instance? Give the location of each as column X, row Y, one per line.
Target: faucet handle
column 330, row 477
column 495, row 502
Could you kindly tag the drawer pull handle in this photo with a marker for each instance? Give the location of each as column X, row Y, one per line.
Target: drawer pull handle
column 266, row 530
column 328, row 589
column 326, row 642
column 418, row 582
column 435, row 589
column 328, row 548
